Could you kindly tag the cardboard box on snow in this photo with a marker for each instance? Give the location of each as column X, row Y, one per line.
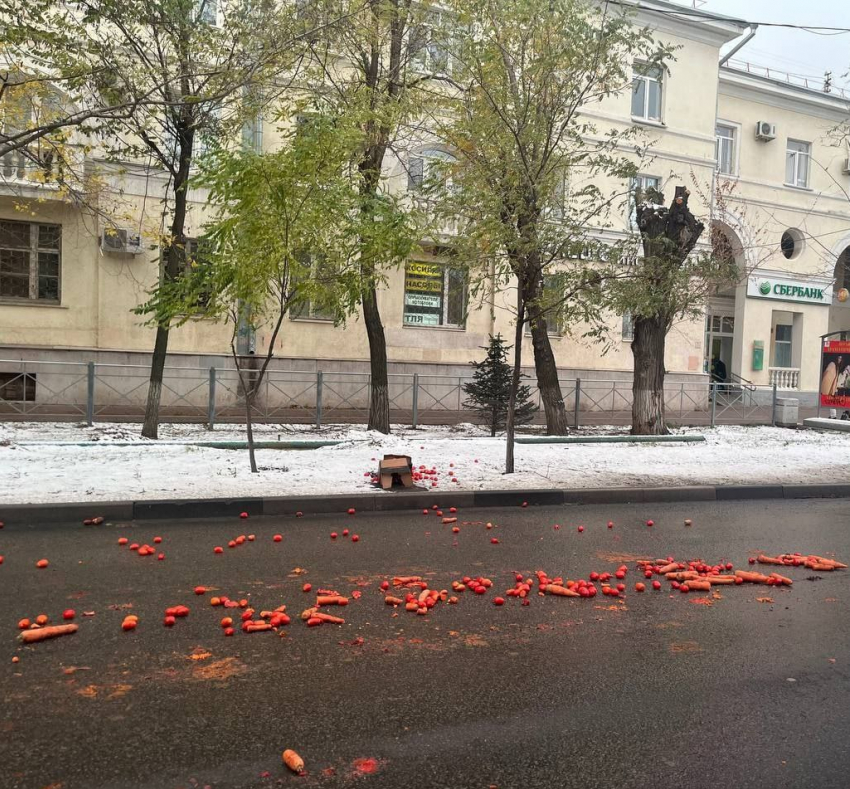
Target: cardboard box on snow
column 395, row 466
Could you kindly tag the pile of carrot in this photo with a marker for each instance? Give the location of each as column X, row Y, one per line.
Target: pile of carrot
column 268, row 620
column 810, row 561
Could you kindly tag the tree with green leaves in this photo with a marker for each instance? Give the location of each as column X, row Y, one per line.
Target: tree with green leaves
column 374, row 66
column 164, row 79
column 534, row 172
column 490, row 390
column 668, row 282
column 278, row 241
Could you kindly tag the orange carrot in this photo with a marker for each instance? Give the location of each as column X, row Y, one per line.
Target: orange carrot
column 423, row 596
column 687, row 575
column 390, row 600
column 782, row 579
column 293, row 761
column 31, row 636
column 699, row 585
column 334, row 620
column 762, row 559
column 668, row 568
column 823, row 568
column 721, row 579
column 414, row 606
column 561, row 591
column 449, row 520
column 401, row 580
column 331, row 600
column 313, row 621
column 257, row 627
column 752, row 578
column 307, row 613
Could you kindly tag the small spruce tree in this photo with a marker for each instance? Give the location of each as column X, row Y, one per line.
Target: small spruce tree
column 489, row 391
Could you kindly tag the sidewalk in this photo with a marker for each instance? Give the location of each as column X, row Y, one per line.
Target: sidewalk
column 88, row 466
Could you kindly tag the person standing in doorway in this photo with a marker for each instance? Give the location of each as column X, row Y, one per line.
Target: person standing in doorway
column 718, row 373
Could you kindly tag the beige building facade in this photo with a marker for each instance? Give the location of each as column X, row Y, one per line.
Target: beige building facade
column 779, row 194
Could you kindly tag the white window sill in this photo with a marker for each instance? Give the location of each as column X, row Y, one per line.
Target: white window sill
column 432, row 328
column 658, row 124
column 798, row 188
column 324, row 321
column 730, row 176
column 31, row 303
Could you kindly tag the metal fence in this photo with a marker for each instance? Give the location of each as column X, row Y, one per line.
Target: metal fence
column 90, row 392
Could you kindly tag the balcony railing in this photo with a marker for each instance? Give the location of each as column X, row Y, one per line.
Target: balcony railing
column 784, row 377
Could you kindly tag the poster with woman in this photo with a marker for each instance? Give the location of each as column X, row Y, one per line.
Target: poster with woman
column 835, row 374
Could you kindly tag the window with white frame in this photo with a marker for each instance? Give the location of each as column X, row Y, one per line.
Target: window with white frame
column 557, row 208
column 30, row 257
column 552, row 304
column 724, row 148
column 194, row 268
column 434, row 295
column 627, row 330
column 782, row 345
column 797, row 157
column 430, row 43
column 425, row 167
column 15, row 116
column 311, row 308
column 647, row 86
column 206, row 11
column 640, row 183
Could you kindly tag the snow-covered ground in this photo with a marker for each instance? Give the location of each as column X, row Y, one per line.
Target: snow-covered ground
column 39, row 462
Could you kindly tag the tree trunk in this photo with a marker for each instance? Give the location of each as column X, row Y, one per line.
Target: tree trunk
column 379, row 400
column 547, row 379
column 175, row 256
column 150, row 427
column 249, row 427
column 510, row 422
column 650, row 336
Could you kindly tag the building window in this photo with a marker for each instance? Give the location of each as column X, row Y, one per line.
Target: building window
column 206, row 11
column 640, row 183
column 627, row 330
column 782, row 345
column 797, row 157
column 311, row 308
column 30, row 256
column 646, row 92
column 426, row 167
column 724, row 149
column 434, row 295
column 429, row 44
column 17, row 387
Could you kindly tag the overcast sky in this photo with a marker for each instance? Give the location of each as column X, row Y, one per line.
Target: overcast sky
column 794, row 51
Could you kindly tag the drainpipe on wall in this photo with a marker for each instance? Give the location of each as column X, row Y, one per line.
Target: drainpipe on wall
column 740, row 45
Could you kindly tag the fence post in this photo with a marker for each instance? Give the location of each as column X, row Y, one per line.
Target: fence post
column 577, row 401
column 211, row 401
column 415, row 419
column 319, row 379
column 712, row 389
column 773, row 407
column 90, row 394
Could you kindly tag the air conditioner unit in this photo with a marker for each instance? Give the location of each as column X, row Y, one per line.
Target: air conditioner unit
column 120, row 241
column 846, row 168
column 765, row 131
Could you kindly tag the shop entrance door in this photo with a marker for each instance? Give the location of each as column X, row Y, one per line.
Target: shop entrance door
column 719, row 334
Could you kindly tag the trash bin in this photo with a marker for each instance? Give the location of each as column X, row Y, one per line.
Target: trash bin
column 787, row 411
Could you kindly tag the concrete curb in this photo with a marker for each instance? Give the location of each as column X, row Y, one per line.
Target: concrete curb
column 407, row 501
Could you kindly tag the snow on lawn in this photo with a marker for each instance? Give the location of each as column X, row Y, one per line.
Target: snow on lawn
column 33, row 470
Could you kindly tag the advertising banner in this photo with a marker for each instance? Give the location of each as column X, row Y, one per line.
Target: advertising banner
column 835, row 374
column 423, row 294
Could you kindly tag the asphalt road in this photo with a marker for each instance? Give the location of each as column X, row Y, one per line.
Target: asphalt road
column 656, row 691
